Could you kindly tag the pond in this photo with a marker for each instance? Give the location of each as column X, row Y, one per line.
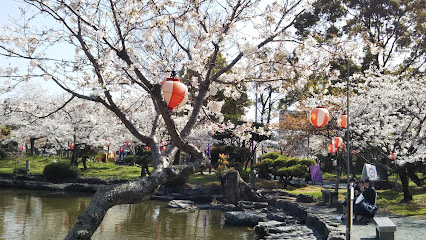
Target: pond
column 26, row 214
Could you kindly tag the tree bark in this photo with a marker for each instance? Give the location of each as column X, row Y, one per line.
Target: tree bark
column 383, row 173
column 32, row 150
column 405, row 181
column 413, row 176
column 126, row 193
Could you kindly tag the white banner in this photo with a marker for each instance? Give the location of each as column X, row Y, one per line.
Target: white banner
column 369, row 171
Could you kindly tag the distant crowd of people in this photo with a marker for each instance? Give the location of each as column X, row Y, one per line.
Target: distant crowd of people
column 364, row 201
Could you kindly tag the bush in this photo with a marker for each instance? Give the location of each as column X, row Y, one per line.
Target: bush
column 60, row 171
column 132, row 159
column 263, row 168
column 271, row 155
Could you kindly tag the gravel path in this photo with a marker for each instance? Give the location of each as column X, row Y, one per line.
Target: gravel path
column 407, row 228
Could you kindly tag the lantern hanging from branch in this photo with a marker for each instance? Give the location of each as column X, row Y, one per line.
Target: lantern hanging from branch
column 331, row 148
column 121, row 149
column 343, row 121
column 337, row 142
column 175, row 93
column 148, row 148
column 319, row 117
column 21, row 148
column 342, row 147
column 127, row 144
column 392, row 156
column 163, row 148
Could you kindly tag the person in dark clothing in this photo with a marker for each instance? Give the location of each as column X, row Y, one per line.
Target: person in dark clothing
column 367, row 207
column 369, row 193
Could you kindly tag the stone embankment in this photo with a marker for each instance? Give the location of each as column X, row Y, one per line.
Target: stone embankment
column 280, row 216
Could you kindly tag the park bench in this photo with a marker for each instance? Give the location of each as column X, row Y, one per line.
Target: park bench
column 385, row 228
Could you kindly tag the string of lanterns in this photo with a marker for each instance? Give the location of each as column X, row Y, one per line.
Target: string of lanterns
column 319, row 118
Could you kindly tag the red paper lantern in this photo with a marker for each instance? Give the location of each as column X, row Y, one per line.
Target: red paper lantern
column 21, row 148
column 148, row 148
column 337, row 142
column 175, row 93
column 121, row 149
column 343, row 121
column 319, row 117
column 71, row 146
column 392, row 156
column 163, row 148
column 127, row 143
column 331, row 148
column 342, row 147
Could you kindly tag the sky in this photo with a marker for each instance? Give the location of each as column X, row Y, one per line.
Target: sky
column 10, row 9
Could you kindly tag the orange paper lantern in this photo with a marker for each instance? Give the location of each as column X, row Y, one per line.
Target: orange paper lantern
column 343, row 121
column 319, row 117
column 337, row 142
column 175, row 93
column 331, row 148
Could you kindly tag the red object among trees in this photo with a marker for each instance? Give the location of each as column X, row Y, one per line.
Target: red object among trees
column 331, row 148
column 343, row 121
column 175, row 93
column 319, row 117
column 337, row 142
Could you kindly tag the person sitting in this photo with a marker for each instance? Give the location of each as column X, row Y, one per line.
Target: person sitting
column 357, row 192
column 365, row 206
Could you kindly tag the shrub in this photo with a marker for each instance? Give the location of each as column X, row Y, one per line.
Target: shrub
column 132, row 159
column 240, row 168
column 271, row 155
column 60, row 171
column 263, row 168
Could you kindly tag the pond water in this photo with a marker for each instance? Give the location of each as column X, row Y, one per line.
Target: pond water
column 26, row 214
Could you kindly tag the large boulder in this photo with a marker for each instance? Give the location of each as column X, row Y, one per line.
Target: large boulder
column 262, row 228
column 306, row 198
column 236, row 189
column 240, row 218
column 181, row 204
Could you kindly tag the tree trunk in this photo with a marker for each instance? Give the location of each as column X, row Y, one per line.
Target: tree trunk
column 405, row 181
column 83, row 160
column 413, row 176
column 125, row 193
column 383, row 173
column 32, row 150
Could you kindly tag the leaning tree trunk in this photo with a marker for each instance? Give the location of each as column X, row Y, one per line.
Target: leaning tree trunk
column 405, row 181
column 413, row 176
column 126, row 193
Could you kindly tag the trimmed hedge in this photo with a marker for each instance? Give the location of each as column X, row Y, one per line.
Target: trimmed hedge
column 60, row 171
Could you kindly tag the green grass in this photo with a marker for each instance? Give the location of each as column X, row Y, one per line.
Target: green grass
column 204, row 180
column 108, row 171
column 390, row 201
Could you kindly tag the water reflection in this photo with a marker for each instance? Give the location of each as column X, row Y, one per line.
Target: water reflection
column 42, row 215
